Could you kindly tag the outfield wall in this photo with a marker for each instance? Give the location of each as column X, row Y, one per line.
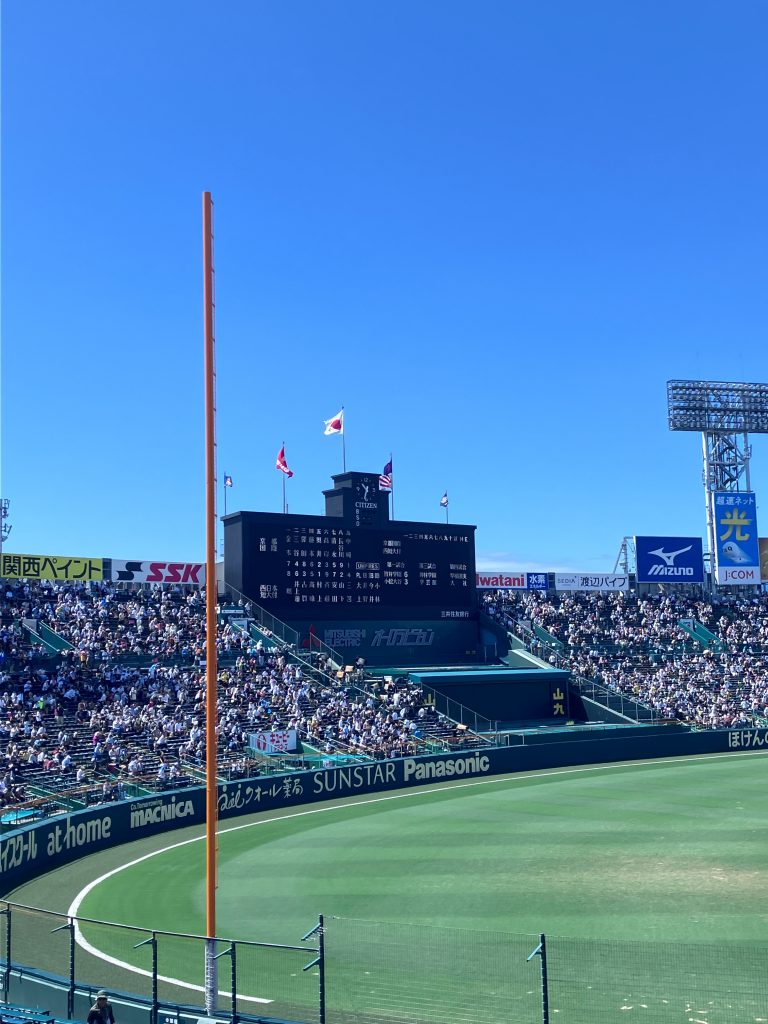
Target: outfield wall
column 39, row 848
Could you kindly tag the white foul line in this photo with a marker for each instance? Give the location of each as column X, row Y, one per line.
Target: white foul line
column 341, row 804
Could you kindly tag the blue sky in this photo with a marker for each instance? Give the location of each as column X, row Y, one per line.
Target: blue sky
column 491, row 231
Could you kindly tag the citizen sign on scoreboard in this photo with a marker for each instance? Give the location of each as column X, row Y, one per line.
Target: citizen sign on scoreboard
column 669, row 559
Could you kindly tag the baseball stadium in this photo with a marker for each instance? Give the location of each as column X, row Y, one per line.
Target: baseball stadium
column 395, row 788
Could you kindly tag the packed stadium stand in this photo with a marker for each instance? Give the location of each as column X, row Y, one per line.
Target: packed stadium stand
column 102, row 688
column 102, row 695
column 645, row 647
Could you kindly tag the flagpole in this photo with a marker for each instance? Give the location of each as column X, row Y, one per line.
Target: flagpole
column 343, row 442
column 282, row 474
column 392, row 488
column 225, row 504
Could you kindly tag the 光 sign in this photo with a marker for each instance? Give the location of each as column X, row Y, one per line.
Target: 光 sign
column 736, row 542
column 669, row 559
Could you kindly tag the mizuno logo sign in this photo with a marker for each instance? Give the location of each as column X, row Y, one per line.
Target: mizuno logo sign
column 669, row 556
column 669, row 560
column 671, row 570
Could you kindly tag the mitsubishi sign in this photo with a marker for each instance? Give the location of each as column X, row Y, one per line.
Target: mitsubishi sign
column 669, row 559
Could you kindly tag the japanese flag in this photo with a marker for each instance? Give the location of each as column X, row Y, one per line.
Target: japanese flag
column 335, row 425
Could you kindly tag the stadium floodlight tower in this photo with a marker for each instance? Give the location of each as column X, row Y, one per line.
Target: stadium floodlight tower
column 725, row 414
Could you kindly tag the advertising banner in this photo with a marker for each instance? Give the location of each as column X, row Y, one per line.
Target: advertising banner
column 189, row 573
column 504, row 579
column 51, row 567
column 276, row 741
column 763, row 549
column 38, row 848
column 607, row 582
column 736, row 542
column 498, row 579
column 669, row 559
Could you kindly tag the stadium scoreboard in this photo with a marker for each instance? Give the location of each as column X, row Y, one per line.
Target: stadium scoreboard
column 354, row 562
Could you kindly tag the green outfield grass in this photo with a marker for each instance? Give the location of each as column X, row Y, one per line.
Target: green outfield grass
column 669, row 852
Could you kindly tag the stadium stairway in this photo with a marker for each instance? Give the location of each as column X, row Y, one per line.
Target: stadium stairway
column 700, row 632
column 618, row 704
column 32, row 628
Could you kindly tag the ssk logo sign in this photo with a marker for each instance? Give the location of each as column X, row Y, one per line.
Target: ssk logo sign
column 669, row 560
column 189, row 573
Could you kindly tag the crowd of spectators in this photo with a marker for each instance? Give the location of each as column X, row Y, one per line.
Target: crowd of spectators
column 125, row 702
column 635, row 645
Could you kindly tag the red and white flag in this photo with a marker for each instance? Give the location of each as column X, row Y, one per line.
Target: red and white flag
column 281, row 464
column 335, row 425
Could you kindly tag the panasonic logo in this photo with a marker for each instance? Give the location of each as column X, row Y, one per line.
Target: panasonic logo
column 156, row 813
column 445, row 769
column 671, row 570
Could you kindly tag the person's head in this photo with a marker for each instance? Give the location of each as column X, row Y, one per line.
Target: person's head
column 101, row 998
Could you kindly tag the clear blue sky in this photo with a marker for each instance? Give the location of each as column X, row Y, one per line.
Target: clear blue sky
column 492, row 231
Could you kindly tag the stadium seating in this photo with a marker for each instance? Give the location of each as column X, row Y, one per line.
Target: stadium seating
column 637, row 646
column 102, row 696
column 102, row 689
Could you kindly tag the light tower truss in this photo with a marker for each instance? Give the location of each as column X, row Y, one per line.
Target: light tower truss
column 725, row 414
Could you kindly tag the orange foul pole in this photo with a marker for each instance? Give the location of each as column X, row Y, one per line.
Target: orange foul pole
column 210, row 569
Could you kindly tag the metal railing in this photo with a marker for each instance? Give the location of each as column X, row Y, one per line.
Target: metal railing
column 347, row 971
column 615, row 700
column 478, row 725
column 160, row 971
column 276, row 627
column 281, row 630
column 595, row 689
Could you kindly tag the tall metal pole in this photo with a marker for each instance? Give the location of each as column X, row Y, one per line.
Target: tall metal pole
column 6, row 912
column 541, row 952
column 209, row 300
column 709, row 486
column 321, row 966
column 392, row 488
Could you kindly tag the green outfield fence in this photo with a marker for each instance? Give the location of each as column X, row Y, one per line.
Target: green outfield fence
column 364, row 972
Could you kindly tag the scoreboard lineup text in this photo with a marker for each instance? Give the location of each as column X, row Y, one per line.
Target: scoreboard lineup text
column 299, row 564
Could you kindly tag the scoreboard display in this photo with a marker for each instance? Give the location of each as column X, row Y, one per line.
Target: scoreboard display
column 300, row 567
